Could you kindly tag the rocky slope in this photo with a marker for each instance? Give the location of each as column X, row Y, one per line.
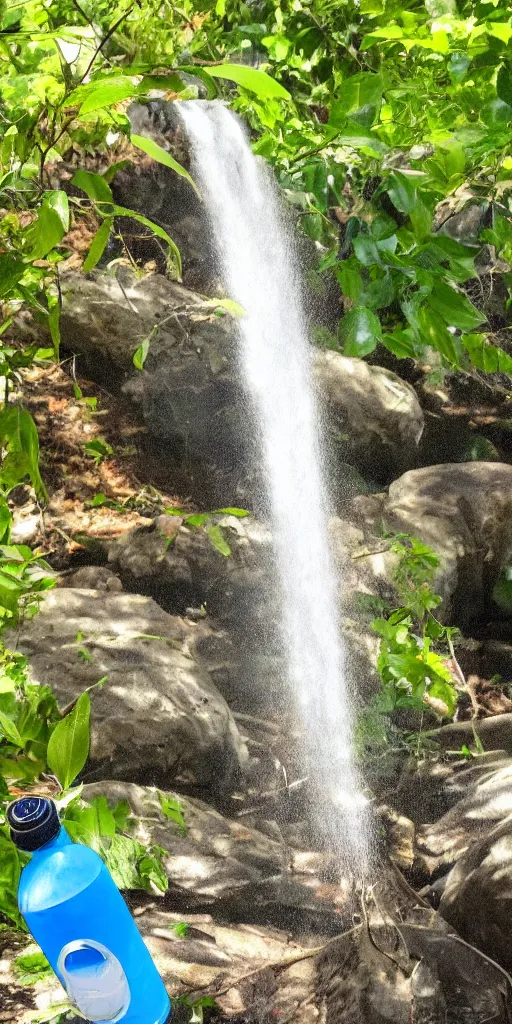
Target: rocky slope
column 194, row 701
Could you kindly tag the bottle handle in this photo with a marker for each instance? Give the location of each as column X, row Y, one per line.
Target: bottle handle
column 98, row 987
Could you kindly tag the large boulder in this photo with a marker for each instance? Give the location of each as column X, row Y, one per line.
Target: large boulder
column 427, row 790
column 486, row 802
column 464, row 512
column 158, row 716
column 478, row 894
column 374, row 417
column 190, row 392
column 225, row 865
column 240, row 643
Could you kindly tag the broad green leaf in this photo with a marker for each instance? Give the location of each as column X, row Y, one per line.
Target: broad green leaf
column 167, row 83
column 355, row 93
column 255, row 81
column 68, row 747
column 97, row 246
column 239, row 513
column 486, row 356
column 403, row 191
column 106, row 820
column 355, row 137
column 445, row 692
column 121, row 814
column 11, row 269
column 196, row 519
column 434, row 332
column 140, row 354
column 51, row 225
column 58, row 201
column 162, row 156
column 218, row 540
column 359, row 332
column 504, row 83
column 229, row 305
column 107, row 93
column 367, row 250
column 5, row 520
column 9, row 730
column 421, row 220
column 94, row 186
column 455, row 309
column 350, row 280
column 18, row 435
column 10, row 870
column 499, row 29
column 380, row 293
column 400, row 344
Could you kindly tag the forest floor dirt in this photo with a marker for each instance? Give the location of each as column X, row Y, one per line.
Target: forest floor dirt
column 93, row 464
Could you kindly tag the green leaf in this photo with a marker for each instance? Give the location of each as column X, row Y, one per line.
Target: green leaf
column 58, row 201
column 360, row 91
column 51, row 225
column 366, row 250
column 11, row 269
column 68, row 747
column 104, row 94
column 359, row 332
column 162, row 156
column 18, row 435
column 106, row 820
column 239, row 513
column 172, row 810
column 5, row 520
column 403, row 191
column 140, row 354
column 54, row 323
column 350, row 280
column 504, row 83
column 486, row 356
column 250, row 78
column 455, row 309
column 400, row 344
column 121, row 814
column 445, row 692
column 218, row 540
column 97, row 246
column 10, row 870
column 31, row 967
column 421, row 220
column 181, row 929
column 434, row 332
column 94, row 186
column 9, row 730
column 133, row 866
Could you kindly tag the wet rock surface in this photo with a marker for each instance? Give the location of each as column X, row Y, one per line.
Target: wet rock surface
column 464, row 513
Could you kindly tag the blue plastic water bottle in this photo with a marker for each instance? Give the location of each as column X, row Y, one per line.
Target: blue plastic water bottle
column 79, row 919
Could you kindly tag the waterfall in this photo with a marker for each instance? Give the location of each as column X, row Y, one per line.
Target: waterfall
column 260, row 272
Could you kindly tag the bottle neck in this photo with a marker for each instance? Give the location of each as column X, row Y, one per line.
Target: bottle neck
column 59, row 842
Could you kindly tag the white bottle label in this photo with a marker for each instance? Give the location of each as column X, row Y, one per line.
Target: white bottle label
column 95, row 981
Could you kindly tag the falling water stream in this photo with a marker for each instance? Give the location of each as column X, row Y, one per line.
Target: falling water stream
column 260, row 272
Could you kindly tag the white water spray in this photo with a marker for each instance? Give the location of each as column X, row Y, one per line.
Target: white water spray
column 260, row 273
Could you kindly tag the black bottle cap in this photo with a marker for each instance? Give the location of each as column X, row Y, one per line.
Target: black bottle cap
column 33, row 821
